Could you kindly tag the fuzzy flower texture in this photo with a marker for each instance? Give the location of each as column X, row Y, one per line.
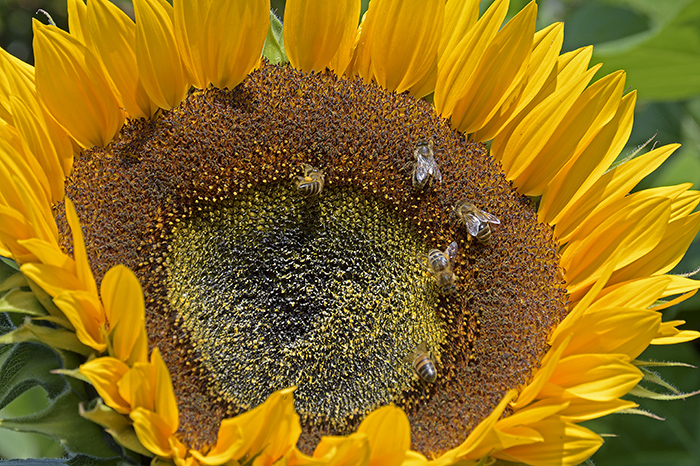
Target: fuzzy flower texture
column 406, row 242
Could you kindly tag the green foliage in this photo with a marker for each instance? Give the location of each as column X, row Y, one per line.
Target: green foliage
column 32, row 354
column 273, row 49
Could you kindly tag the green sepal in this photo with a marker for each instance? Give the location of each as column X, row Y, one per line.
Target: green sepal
column 28, row 365
column 642, row 392
column 273, row 49
column 117, row 425
column 21, row 302
column 6, row 262
column 61, row 421
column 55, row 337
column 13, row 280
column 641, row 412
column 639, row 363
column 47, row 301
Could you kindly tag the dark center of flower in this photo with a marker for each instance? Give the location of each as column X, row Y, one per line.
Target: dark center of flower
column 279, row 289
column 254, row 283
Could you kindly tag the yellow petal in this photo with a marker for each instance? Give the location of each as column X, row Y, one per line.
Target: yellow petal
column 499, row 73
column 84, row 312
column 80, row 256
column 165, row 402
column 124, row 306
column 72, row 86
column 153, row 432
column 546, row 47
column 341, row 60
column 594, row 108
column 405, row 41
column 460, row 17
column 313, row 31
column 54, row 280
column 581, row 172
column 190, row 20
column 563, row 443
column 597, row 377
column 104, row 373
column 234, row 36
column 614, row 331
column 543, row 374
column 272, row 427
column 113, row 38
column 627, row 233
column 17, row 163
column 137, row 386
column 668, row 252
column 389, row 434
column 580, row 410
column 479, row 442
column 12, row 68
column 610, row 187
column 352, row 450
column 521, row 143
column 634, row 294
column 456, row 67
column 162, row 73
column 685, row 204
column 77, row 21
column 670, row 335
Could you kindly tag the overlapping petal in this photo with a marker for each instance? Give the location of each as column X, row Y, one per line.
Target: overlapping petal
column 73, row 87
column 315, row 31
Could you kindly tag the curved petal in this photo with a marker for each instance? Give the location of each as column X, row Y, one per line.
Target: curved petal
column 314, row 30
column 234, row 36
column 104, row 373
column 389, row 434
column 404, row 41
column 124, row 306
column 162, row 73
column 72, row 86
column 113, row 39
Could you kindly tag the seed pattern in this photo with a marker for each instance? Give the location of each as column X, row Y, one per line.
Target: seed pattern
column 136, row 197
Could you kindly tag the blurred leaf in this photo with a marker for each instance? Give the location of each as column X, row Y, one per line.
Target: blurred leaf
column 22, row 302
column 58, row 338
column 26, row 366
column 62, row 421
column 662, row 63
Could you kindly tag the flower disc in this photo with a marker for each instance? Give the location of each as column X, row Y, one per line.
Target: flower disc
column 253, row 286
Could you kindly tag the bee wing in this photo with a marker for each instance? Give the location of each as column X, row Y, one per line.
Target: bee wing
column 422, row 348
column 409, row 357
column 422, row 168
column 451, row 251
column 472, row 224
column 423, row 261
column 435, row 171
column 487, row 217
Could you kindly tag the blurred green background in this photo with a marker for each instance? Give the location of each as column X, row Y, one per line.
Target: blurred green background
column 658, row 43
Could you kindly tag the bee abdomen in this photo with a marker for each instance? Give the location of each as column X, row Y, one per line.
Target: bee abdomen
column 310, row 188
column 425, row 368
column 484, row 234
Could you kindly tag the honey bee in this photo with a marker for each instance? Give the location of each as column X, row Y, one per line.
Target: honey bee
column 311, row 184
column 425, row 167
column 422, row 363
column 439, row 264
column 477, row 221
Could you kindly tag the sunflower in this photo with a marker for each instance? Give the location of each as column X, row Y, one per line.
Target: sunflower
column 308, row 262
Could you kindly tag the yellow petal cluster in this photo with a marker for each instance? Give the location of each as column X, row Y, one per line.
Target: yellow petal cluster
column 554, row 133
